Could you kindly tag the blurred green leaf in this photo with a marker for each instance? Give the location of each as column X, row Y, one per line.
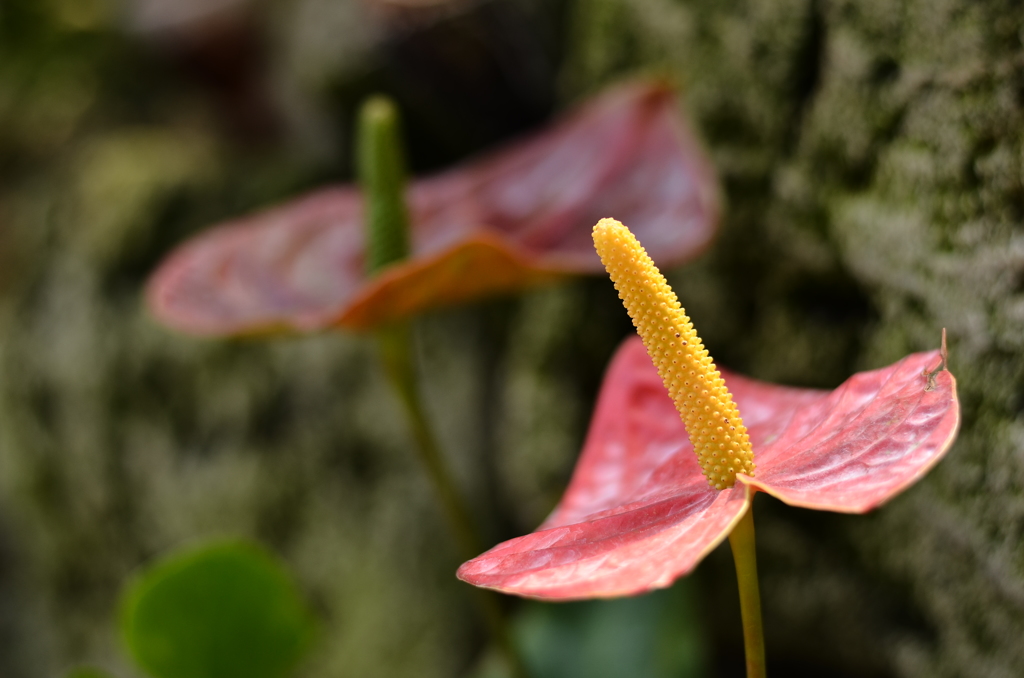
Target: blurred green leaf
column 87, row 672
column 223, row 610
column 652, row 636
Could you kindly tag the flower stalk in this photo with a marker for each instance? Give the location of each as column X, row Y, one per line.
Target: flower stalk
column 381, row 170
column 396, row 353
column 744, row 555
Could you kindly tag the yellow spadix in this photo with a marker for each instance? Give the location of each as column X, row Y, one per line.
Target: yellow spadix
column 705, row 405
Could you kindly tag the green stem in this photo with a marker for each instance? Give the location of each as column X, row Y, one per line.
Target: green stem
column 396, row 350
column 745, row 557
column 396, row 353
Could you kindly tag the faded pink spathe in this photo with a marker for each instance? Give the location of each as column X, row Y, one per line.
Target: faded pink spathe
column 639, row 513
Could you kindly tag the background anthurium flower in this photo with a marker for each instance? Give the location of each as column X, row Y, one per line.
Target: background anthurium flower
column 639, row 513
column 517, row 217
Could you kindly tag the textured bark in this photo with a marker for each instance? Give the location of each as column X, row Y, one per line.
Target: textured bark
column 871, row 154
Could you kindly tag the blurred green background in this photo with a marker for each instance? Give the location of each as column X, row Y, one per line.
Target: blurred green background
column 871, row 156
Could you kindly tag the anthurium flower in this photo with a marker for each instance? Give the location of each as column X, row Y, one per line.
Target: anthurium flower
column 517, row 217
column 643, row 509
